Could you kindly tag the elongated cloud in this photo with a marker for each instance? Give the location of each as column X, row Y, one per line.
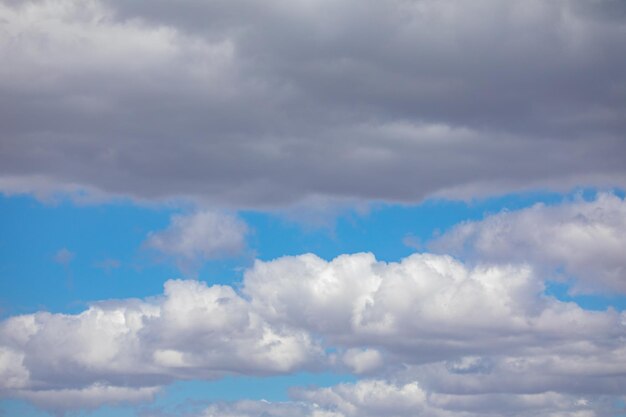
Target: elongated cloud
column 454, row 330
column 128, row 348
column 264, row 105
column 585, row 238
column 374, row 398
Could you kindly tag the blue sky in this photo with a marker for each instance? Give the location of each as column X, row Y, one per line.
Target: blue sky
column 312, row 208
column 109, row 258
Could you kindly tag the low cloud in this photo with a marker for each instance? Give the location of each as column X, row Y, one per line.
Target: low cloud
column 461, row 333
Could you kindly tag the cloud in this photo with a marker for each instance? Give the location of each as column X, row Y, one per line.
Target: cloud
column 483, row 335
column 237, row 104
column 127, row 348
column 198, row 237
column 64, row 256
column 90, row 397
column 585, row 238
column 373, row 398
column 108, row 264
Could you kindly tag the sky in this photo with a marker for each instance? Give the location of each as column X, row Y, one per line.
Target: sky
column 312, row 208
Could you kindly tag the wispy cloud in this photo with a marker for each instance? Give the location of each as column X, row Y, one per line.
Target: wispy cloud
column 195, row 238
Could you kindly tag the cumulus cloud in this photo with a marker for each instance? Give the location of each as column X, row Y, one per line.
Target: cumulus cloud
column 587, row 239
column 198, row 237
column 431, row 309
column 126, row 349
column 238, row 103
column 484, row 335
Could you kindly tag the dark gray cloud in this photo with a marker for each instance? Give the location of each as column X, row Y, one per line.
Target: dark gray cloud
column 252, row 103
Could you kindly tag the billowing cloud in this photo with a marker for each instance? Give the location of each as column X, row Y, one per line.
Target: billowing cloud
column 248, row 104
column 461, row 334
column 587, row 239
column 192, row 239
column 471, row 324
column 126, row 349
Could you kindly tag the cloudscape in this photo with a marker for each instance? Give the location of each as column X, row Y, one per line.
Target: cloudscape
column 312, row 208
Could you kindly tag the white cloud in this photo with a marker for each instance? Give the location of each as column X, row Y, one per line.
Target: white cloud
column 192, row 239
column 363, row 360
column 13, row 374
column 484, row 331
column 368, row 398
column 458, row 329
column 586, row 238
column 127, row 348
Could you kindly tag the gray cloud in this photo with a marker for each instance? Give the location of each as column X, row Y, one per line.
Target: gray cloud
column 242, row 103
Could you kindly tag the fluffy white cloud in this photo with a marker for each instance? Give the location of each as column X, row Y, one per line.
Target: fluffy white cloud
column 586, row 238
column 487, row 332
column 191, row 239
column 426, row 305
column 125, row 349
column 478, row 331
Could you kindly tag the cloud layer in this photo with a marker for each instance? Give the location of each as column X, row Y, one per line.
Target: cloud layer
column 481, row 339
column 374, row 398
column 242, row 103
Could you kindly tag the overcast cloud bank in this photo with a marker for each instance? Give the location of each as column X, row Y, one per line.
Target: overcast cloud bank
column 243, row 103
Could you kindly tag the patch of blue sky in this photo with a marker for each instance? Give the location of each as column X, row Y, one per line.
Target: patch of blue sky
column 597, row 302
column 10, row 408
column 390, row 231
column 106, row 260
column 109, row 262
column 233, row 388
column 20, row 408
